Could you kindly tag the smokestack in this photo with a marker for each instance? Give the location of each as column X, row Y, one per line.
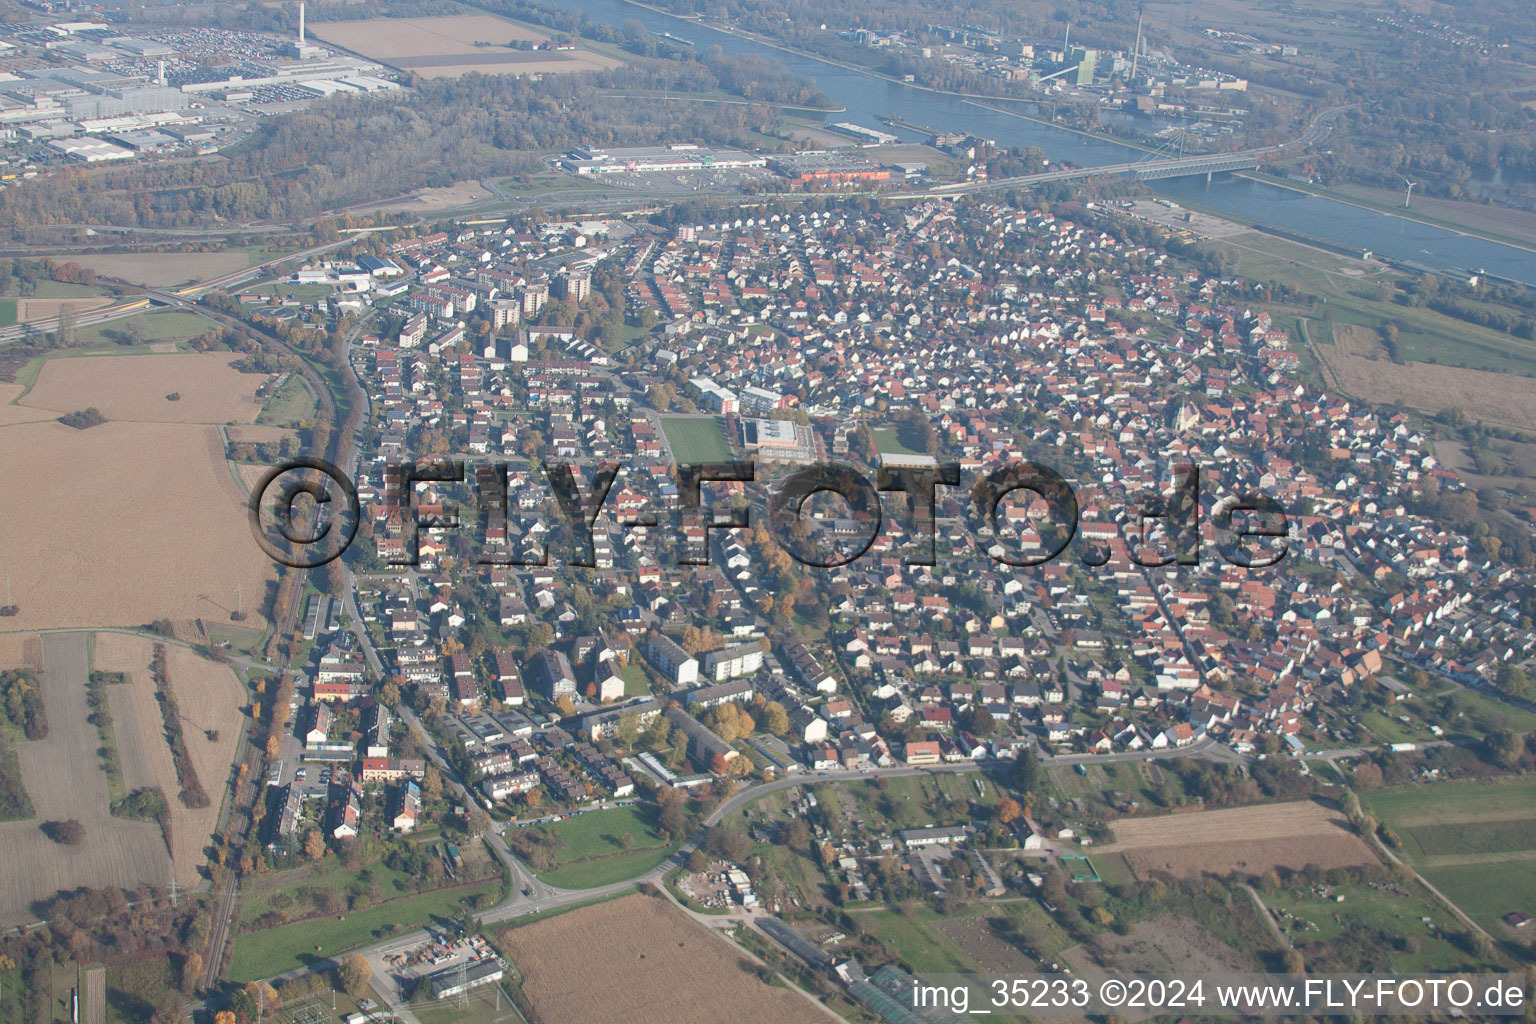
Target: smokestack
column 1136, row 55
column 162, row 73
column 301, row 22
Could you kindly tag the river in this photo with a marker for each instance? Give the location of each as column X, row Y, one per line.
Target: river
column 867, row 97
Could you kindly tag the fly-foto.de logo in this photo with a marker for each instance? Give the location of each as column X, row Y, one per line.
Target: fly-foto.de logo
column 1250, row 529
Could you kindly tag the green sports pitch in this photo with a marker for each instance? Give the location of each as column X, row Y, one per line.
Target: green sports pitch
column 695, row 439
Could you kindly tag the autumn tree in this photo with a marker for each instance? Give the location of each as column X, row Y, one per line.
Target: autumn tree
column 355, row 975
column 1008, row 810
column 314, row 844
column 191, row 972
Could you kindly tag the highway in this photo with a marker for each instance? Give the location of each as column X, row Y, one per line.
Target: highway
column 139, row 305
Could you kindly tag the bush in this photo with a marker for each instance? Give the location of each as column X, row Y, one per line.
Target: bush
column 68, row 832
column 83, row 419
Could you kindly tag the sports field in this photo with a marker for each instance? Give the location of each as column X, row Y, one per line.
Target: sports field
column 695, row 439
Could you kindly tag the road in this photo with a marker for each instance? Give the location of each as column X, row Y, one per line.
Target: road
column 137, row 304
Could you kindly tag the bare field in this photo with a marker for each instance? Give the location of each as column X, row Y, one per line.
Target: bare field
column 463, row 194
column 1246, row 839
column 11, row 413
column 640, row 951
column 32, row 310
column 122, row 524
column 446, row 46
column 156, row 269
column 1163, row 945
column 63, row 778
column 1359, row 362
column 135, row 388
column 990, row 952
column 209, row 697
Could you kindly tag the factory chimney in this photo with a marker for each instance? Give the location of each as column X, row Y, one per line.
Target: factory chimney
column 301, row 22
column 161, row 81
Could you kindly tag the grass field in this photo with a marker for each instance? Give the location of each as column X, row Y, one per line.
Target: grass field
column 1489, row 890
column 169, row 326
column 594, row 853
column 7, row 312
column 1381, row 910
column 290, row 406
column 1441, row 802
column 1474, row 841
column 259, row 892
column 917, row 940
column 888, row 442
column 275, row 950
column 695, row 439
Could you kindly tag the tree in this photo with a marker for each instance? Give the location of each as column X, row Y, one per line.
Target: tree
column 1008, row 810
column 314, row 844
column 69, row 832
column 1367, row 776
column 355, row 974
column 479, row 822
column 1513, row 681
column 1025, row 771
column 565, row 706
column 191, row 972
column 774, row 719
column 432, row 784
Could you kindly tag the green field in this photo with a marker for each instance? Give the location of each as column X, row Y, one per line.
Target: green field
column 270, row 951
column 888, row 442
column 1489, row 890
column 593, row 851
column 292, row 404
column 1318, row 919
column 7, row 312
column 60, row 290
column 268, row 890
column 168, row 326
column 915, row 939
column 1479, row 837
column 1434, row 803
column 695, row 439
column 1474, row 841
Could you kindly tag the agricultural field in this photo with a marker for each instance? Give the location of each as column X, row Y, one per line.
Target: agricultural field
column 450, row 46
column 920, row 940
column 41, row 310
column 159, row 269
column 86, row 541
column 640, row 951
column 1475, row 841
column 695, row 439
column 147, row 328
column 63, row 777
column 1359, row 363
column 210, row 389
column 210, row 699
column 593, row 851
column 1251, row 840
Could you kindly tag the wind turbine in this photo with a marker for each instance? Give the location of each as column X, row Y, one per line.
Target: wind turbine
column 1409, row 197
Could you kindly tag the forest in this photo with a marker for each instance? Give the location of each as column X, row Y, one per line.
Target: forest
column 347, row 150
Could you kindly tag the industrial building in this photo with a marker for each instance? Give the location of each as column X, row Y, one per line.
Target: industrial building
column 683, row 157
column 825, row 167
